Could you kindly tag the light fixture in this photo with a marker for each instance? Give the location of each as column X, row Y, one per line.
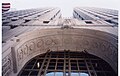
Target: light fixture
column 38, row 64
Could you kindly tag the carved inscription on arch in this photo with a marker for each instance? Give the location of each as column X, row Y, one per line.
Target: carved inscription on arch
column 39, row 43
column 81, row 42
column 25, row 48
column 48, row 41
column 30, row 47
column 7, row 65
column 97, row 45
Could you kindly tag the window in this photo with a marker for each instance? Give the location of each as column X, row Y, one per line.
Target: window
column 46, row 22
column 88, row 22
column 58, row 73
column 74, row 74
column 84, row 74
column 50, row 74
column 26, row 20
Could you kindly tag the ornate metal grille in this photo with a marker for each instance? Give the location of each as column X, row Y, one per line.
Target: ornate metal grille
column 67, row 63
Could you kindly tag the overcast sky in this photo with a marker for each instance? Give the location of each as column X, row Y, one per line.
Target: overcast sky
column 66, row 6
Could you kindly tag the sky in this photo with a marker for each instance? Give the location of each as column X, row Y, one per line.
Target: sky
column 66, row 6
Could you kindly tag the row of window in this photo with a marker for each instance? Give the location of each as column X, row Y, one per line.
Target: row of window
column 78, row 15
column 99, row 17
column 27, row 13
column 55, row 15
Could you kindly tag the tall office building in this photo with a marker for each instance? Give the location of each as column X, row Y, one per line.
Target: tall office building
column 39, row 42
column 17, row 20
column 108, row 15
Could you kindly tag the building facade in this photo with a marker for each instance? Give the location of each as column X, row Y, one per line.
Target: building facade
column 40, row 42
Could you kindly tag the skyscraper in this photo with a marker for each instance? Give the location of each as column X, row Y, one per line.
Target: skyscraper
column 39, row 42
column 92, row 13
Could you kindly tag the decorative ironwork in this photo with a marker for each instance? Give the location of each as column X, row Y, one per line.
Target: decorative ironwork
column 67, row 63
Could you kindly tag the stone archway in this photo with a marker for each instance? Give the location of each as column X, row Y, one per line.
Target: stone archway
column 98, row 43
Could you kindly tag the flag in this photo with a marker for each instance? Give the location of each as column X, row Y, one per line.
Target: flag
column 5, row 7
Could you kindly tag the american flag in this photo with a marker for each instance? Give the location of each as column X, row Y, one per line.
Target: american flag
column 5, row 7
